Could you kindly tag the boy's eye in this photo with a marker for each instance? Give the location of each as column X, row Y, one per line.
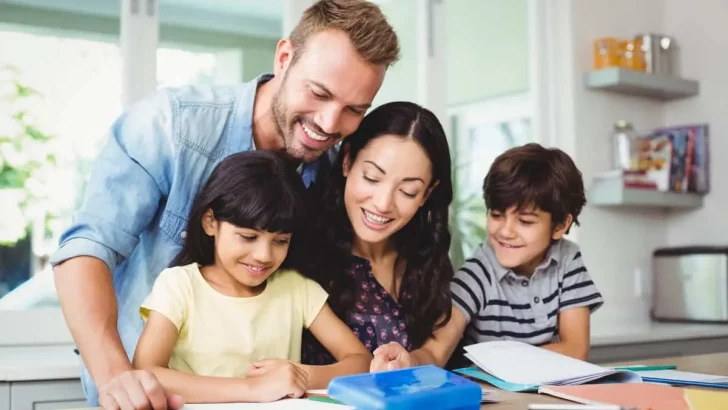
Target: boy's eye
column 495, row 215
column 527, row 222
column 283, row 241
column 249, row 238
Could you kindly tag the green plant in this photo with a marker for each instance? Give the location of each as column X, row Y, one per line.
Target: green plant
column 467, row 212
column 26, row 157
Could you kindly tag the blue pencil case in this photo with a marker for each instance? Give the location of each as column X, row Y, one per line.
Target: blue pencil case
column 405, row 389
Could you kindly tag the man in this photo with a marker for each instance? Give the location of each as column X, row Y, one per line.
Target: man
column 162, row 150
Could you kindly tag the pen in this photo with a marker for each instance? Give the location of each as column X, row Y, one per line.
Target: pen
column 577, row 407
column 646, row 368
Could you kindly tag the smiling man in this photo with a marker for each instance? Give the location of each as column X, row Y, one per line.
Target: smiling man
column 162, row 150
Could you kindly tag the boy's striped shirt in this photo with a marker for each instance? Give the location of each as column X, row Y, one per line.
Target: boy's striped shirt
column 500, row 305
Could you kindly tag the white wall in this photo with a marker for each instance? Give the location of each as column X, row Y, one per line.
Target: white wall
column 618, row 242
column 701, row 32
column 615, row 243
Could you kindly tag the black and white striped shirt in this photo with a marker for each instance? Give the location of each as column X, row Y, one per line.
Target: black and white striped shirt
column 500, row 305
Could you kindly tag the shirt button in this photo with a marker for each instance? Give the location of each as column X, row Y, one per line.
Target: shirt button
column 524, row 283
column 183, row 234
column 536, row 299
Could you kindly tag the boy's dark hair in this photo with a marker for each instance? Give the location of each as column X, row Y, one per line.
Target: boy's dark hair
column 255, row 189
column 531, row 175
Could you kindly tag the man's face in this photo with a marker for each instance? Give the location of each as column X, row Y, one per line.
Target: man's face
column 323, row 95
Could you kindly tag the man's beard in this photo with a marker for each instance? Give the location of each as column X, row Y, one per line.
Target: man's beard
column 280, row 113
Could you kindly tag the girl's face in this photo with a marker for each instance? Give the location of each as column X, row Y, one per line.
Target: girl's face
column 249, row 256
column 385, row 186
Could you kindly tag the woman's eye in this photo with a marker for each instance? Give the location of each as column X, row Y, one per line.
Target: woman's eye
column 248, row 238
column 366, row 178
column 409, row 195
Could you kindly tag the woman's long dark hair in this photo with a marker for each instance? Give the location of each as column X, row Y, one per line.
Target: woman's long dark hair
column 256, row 189
column 422, row 244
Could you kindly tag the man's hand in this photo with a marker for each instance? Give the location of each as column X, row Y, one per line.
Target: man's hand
column 137, row 390
column 391, row 356
column 277, row 378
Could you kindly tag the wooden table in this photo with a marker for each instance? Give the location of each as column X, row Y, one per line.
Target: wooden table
column 711, row 363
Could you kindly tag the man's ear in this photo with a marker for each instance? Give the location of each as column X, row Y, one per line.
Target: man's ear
column 346, row 164
column 561, row 229
column 209, row 223
column 283, row 58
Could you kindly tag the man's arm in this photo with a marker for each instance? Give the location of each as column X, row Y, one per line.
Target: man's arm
column 573, row 334
column 121, row 199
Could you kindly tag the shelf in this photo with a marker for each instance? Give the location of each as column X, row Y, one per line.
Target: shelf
column 630, row 82
column 613, row 194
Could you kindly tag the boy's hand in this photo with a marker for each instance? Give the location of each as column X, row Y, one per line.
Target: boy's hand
column 391, row 356
column 277, row 378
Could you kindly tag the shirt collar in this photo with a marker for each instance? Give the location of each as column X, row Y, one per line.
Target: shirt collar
column 243, row 116
column 553, row 256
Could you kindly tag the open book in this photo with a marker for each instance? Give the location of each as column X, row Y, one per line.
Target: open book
column 517, row 366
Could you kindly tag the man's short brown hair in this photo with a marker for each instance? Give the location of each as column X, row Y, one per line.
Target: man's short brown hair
column 362, row 21
column 533, row 176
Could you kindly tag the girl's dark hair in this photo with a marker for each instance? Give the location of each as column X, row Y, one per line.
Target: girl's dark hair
column 422, row 244
column 255, row 189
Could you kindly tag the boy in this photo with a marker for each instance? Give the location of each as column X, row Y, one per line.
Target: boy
column 526, row 282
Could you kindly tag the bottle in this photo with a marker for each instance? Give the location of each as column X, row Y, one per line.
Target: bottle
column 624, row 145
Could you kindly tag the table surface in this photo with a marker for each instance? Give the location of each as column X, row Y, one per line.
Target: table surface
column 711, row 364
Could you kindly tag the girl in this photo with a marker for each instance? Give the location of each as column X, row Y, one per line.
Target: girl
column 224, row 323
column 382, row 231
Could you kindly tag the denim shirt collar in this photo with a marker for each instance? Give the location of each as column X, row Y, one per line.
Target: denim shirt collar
column 243, row 118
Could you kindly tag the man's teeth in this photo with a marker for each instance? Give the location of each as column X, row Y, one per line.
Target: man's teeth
column 376, row 218
column 313, row 135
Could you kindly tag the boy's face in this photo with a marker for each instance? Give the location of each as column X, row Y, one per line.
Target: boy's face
column 520, row 238
column 248, row 256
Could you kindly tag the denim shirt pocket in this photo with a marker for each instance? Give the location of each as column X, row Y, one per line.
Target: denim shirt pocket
column 174, row 226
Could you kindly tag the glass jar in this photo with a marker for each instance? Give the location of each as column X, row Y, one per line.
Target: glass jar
column 624, row 146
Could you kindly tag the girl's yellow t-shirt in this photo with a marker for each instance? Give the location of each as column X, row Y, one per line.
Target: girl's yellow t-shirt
column 222, row 335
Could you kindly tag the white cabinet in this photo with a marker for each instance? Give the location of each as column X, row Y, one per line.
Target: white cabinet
column 41, row 395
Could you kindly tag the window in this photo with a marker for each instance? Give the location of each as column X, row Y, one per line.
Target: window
column 71, row 103
column 480, row 132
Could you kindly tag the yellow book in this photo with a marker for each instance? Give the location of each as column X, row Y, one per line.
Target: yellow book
column 706, row 399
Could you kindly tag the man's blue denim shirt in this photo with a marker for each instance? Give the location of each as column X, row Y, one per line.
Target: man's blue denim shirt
column 159, row 155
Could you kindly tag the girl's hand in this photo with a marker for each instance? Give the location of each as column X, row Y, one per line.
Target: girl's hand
column 277, row 378
column 391, row 356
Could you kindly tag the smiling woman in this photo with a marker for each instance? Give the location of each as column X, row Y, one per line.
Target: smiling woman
column 381, row 230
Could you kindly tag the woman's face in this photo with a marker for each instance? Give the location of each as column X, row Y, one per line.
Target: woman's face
column 385, row 186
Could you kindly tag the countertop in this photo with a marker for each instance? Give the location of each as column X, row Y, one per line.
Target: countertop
column 655, row 332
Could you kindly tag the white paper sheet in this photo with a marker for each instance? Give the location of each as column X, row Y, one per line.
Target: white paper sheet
column 517, row 362
column 294, row 404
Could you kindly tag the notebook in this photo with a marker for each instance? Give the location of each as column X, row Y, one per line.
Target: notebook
column 287, row 404
column 413, row 388
column 643, row 396
column 680, row 378
column 706, row 399
column 517, row 366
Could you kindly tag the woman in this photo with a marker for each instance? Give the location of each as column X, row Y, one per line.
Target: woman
column 380, row 234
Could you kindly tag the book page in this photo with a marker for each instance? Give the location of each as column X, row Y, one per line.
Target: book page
column 521, row 363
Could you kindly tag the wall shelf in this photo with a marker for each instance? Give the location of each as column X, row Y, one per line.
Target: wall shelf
column 613, row 194
column 637, row 83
